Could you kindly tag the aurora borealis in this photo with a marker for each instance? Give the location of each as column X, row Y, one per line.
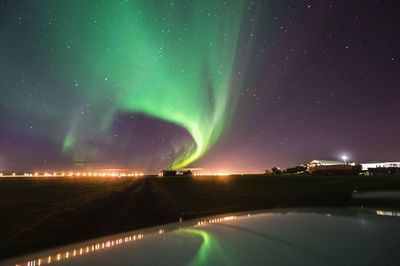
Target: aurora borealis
column 223, row 85
column 168, row 60
column 172, row 63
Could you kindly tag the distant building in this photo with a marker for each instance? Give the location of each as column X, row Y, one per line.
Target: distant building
column 338, row 169
column 165, row 173
column 328, row 167
column 376, row 168
column 298, row 169
column 183, row 172
column 323, row 163
column 276, row 170
column 366, row 166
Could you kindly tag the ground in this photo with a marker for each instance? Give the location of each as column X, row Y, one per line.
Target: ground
column 38, row 213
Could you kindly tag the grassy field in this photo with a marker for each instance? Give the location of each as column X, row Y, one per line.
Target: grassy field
column 40, row 213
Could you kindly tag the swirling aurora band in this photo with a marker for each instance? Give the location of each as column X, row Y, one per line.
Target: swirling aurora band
column 209, row 250
column 170, row 61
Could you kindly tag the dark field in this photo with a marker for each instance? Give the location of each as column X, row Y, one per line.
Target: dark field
column 39, row 213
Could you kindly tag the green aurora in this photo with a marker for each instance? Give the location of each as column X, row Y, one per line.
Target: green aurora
column 171, row 61
column 209, row 250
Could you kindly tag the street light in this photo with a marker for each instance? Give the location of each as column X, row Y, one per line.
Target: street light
column 345, row 158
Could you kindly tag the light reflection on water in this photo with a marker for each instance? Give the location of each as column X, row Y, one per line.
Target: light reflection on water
column 119, row 241
column 388, row 213
column 209, row 247
column 95, row 247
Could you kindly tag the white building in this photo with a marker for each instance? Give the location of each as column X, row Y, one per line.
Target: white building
column 372, row 165
column 315, row 163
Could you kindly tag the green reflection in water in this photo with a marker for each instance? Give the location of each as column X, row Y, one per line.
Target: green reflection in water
column 209, row 248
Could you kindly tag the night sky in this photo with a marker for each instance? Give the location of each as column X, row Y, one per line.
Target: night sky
column 232, row 86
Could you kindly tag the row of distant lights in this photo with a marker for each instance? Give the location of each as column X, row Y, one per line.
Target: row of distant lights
column 228, row 218
column 102, row 174
column 84, row 250
column 217, row 220
column 388, row 213
column 213, row 174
